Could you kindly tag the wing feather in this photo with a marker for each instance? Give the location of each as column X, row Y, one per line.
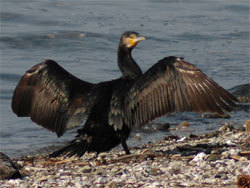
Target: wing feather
column 173, row 85
column 50, row 95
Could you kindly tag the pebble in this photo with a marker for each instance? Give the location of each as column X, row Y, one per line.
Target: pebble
column 243, row 159
column 226, row 128
column 151, row 165
column 162, row 127
column 199, row 157
column 86, row 169
column 138, row 136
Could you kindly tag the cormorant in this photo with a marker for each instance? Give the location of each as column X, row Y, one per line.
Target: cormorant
column 59, row 101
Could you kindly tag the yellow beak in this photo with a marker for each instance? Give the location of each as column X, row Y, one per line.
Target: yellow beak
column 134, row 42
column 138, row 39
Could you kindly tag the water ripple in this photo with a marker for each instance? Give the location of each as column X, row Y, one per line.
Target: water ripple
column 194, row 36
column 9, row 77
column 41, row 40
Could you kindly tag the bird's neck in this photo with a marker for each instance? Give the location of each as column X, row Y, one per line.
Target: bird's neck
column 127, row 65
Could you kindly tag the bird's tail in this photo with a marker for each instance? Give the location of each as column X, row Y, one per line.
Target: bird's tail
column 77, row 147
column 85, row 142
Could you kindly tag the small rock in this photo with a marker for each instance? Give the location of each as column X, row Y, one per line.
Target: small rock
column 86, row 169
column 214, row 157
column 226, row 128
column 225, row 154
column 229, row 142
column 8, row 169
column 243, row 159
column 155, row 171
column 216, row 152
column 233, row 151
column 245, row 154
column 162, row 127
column 101, row 180
column 138, row 136
column 102, row 155
column 221, row 175
column 199, row 157
column 156, row 184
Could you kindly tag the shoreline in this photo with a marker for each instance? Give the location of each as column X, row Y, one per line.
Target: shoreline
column 214, row 159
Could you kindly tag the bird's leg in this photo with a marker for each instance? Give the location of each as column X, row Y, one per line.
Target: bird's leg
column 124, row 145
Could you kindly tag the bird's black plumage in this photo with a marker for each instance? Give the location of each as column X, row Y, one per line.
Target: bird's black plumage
column 58, row 101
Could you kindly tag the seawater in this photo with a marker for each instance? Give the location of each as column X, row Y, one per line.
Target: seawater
column 82, row 36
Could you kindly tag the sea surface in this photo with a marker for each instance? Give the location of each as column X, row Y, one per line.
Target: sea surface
column 82, row 36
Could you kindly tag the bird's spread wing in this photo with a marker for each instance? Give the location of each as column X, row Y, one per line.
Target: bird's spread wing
column 50, row 95
column 173, row 85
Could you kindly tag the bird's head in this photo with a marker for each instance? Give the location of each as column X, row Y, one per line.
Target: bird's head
column 130, row 39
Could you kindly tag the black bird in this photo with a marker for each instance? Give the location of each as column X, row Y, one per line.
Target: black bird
column 58, row 101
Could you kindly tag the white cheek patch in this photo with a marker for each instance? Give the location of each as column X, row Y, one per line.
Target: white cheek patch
column 128, row 45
